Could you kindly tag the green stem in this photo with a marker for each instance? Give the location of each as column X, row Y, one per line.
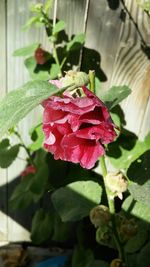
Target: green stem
column 92, row 80
column 112, row 211
column 25, row 148
column 55, row 55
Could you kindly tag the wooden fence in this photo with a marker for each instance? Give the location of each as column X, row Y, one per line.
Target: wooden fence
column 116, row 30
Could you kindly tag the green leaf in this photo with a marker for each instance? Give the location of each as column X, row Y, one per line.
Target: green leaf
column 35, row 73
column 62, row 231
column 115, row 95
column 127, row 149
column 139, row 174
column 76, row 43
column 82, row 196
column 137, row 209
column 18, row 103
column 26, row 51
column 37, row 136
column 42, row 225
column 48, row 5
column 54, row 71
column 59, row 26
column 82, row 257
column 30, row 63
column 7, row 153
column 136, row 242
column 143, row 259
column 39, row 182
column 22, row 197
column 31, row 21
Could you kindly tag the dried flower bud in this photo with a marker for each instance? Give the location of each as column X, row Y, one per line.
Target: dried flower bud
column 100, row 216
column 116, row 183
column 73, row 77
column 40, row 56
column 117, row 263
column 128, row 228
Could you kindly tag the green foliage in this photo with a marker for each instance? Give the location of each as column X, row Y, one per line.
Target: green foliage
column 143, row 257
column 59, row 26
column 26, row 51
column 37, row 136
column 137, row 209
column 82, row 196
column 126, row 149
column 7, row 153
column 42, row 226
column 18, row 103
column 139, row 174
column 115, row 95
column 77, row 42
column 136, row 242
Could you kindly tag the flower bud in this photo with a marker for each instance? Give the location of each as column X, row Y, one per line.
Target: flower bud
column 116, row 183
column 100, row 216
column 102, row 234
column 128, row 228
column 40, row 56
column 77, row 78
column 117, row 263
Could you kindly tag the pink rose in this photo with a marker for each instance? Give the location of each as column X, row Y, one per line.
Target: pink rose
column 76, row 128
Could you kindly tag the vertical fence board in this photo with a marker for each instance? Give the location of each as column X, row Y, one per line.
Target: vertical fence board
column 102, row 34
column 17, row 15
column 3, row 77
column 132, row 67
column 72, row 12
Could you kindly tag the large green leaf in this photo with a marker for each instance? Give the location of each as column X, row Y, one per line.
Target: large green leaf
column 36, row 73
column 18, row 103
column 115, row 95
column 127, row 149
column 136, row 242
column 143, row 259
column 74, row 201
column 7, row 153
column 137, row 209
column 22, row 197
column 42, row 225
column 26, row 51
column 139, row 174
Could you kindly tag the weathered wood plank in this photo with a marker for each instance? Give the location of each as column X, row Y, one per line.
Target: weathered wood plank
column 17, row 15
column 73, row 13
column 102, row 35
column 132, row 67
column 3, row 89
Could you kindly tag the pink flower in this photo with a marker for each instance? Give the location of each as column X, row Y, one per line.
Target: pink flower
column 76, row 128
column 29, row 169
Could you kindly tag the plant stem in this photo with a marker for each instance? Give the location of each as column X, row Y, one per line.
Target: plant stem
column 92, row 80
column 25, row 148
column 112, row 211
column 55, row 55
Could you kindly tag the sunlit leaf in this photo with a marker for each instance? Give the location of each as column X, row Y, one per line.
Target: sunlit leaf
column 18, row 103
column 59, row 26
column 115, row 95
column 26, row 51
column 77, row 41
column 82, row 196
